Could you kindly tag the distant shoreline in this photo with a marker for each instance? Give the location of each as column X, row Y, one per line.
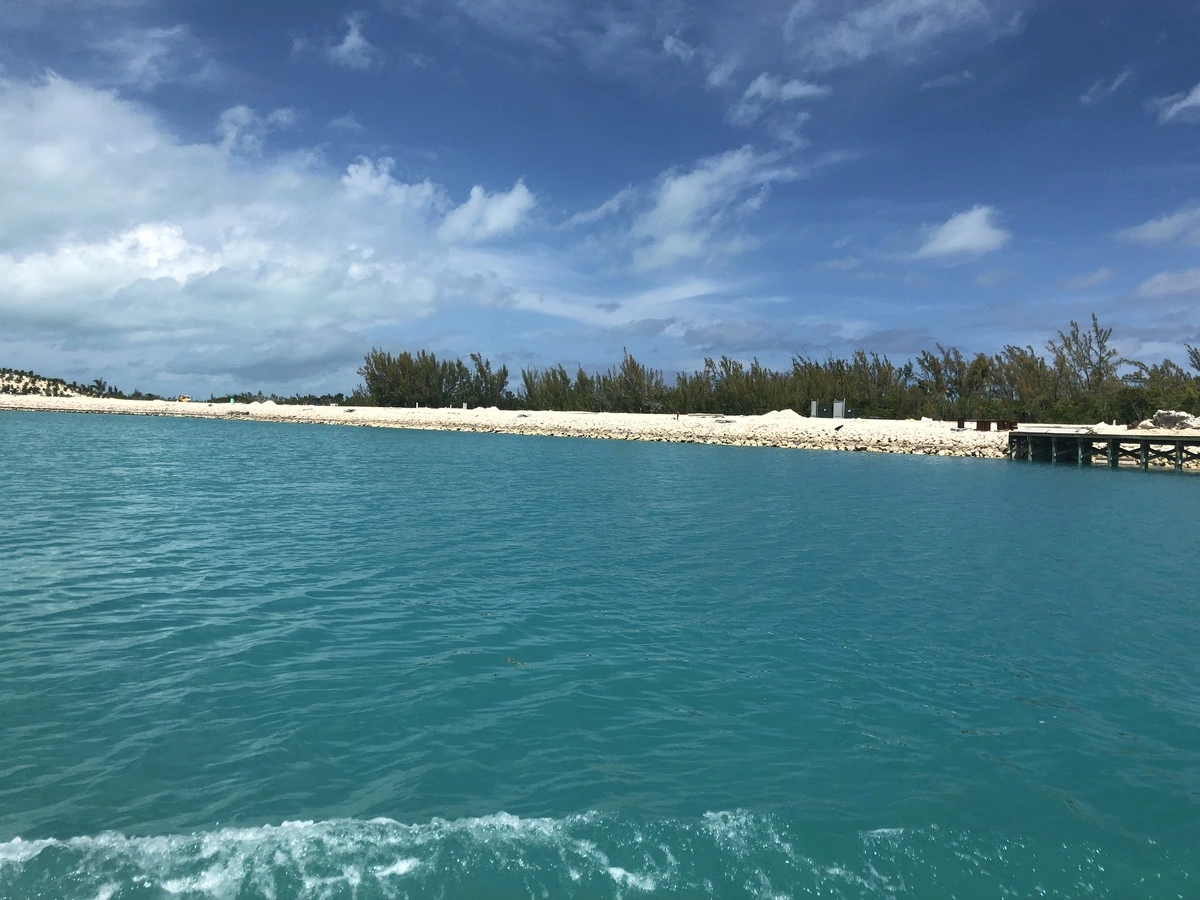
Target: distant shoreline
column 780, row 429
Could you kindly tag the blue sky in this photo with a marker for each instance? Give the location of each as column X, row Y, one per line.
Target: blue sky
column 215, row 195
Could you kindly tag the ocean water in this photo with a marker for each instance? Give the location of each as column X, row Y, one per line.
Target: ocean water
column 244, row 660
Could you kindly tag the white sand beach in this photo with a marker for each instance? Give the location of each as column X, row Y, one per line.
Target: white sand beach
column 776, row 429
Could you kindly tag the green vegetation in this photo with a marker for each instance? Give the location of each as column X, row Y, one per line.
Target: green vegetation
column 27, row 383
column 421, row 380
column 1081, row 377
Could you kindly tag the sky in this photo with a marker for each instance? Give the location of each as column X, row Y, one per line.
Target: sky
column 212, row 196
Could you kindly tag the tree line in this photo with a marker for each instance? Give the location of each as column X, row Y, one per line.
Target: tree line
column 28, row 382
column 1080, row 377
column 421, row 379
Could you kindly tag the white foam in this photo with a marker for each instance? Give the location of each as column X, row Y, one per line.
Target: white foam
column 214, row 882
column 17, row 851
column 632, row 879
column 399, row 867
column 355, row 857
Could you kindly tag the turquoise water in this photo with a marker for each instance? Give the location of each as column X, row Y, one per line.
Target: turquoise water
column 244, row 660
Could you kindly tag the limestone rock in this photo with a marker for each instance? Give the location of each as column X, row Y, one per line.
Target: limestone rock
column 1170, row 418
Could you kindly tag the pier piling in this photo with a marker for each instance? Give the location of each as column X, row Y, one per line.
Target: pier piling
column 1083, row 446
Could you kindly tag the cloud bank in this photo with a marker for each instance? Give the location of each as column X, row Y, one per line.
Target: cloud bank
column 118, row 235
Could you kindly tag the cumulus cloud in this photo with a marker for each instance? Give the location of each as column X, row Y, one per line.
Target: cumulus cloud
column 1183, row 107
column 690, row 207
column 353, row 51
column 1103, row 275
column 966, row 234
column 829, row 33
column 1181, row 225
column 1168, row 284
column 118, row 238
column 767, row 90
column 242, row 130
column 485, row 215
column 366, row 178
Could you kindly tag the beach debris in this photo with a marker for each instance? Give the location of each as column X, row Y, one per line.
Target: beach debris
column 513, row 661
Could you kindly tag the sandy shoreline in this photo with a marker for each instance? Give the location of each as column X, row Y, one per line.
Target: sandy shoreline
column 785, row 429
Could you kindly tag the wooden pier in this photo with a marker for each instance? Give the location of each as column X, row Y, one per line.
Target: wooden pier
column 1086, row 446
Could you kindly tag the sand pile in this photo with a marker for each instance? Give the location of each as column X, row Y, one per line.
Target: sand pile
column 781, row 415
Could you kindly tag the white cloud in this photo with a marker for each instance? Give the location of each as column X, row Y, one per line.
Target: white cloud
column 1104, row 88
column 122, row 240
column 1103, row 275
column 951, row 79
column 1182, row 225
column 767, row 90
column 144, row 58
column 367, row 178
column 353, row 51
column 1166, row 284
column 348, row 122
column 690, row 208
column 720, row 73
column 770, row 89
column 788, row 130
column 678, row 49
column 970, row 233
column 1183, row 107
column 829, row 33
column 156, row 250
column 484, row 216
column 627, row 38
column 609, row 207
column 243, row 130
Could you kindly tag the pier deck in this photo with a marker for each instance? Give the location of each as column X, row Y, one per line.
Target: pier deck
column 1085, row 445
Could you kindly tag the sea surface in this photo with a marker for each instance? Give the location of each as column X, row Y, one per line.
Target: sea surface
column 250, row 660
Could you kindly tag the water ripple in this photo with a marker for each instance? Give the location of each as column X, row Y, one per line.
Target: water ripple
column 210, row 625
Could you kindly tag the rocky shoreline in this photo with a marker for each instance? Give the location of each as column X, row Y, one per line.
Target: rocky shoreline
column 783, row 429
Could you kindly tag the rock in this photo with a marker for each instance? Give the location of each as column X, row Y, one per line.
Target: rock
column 1171, row 418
